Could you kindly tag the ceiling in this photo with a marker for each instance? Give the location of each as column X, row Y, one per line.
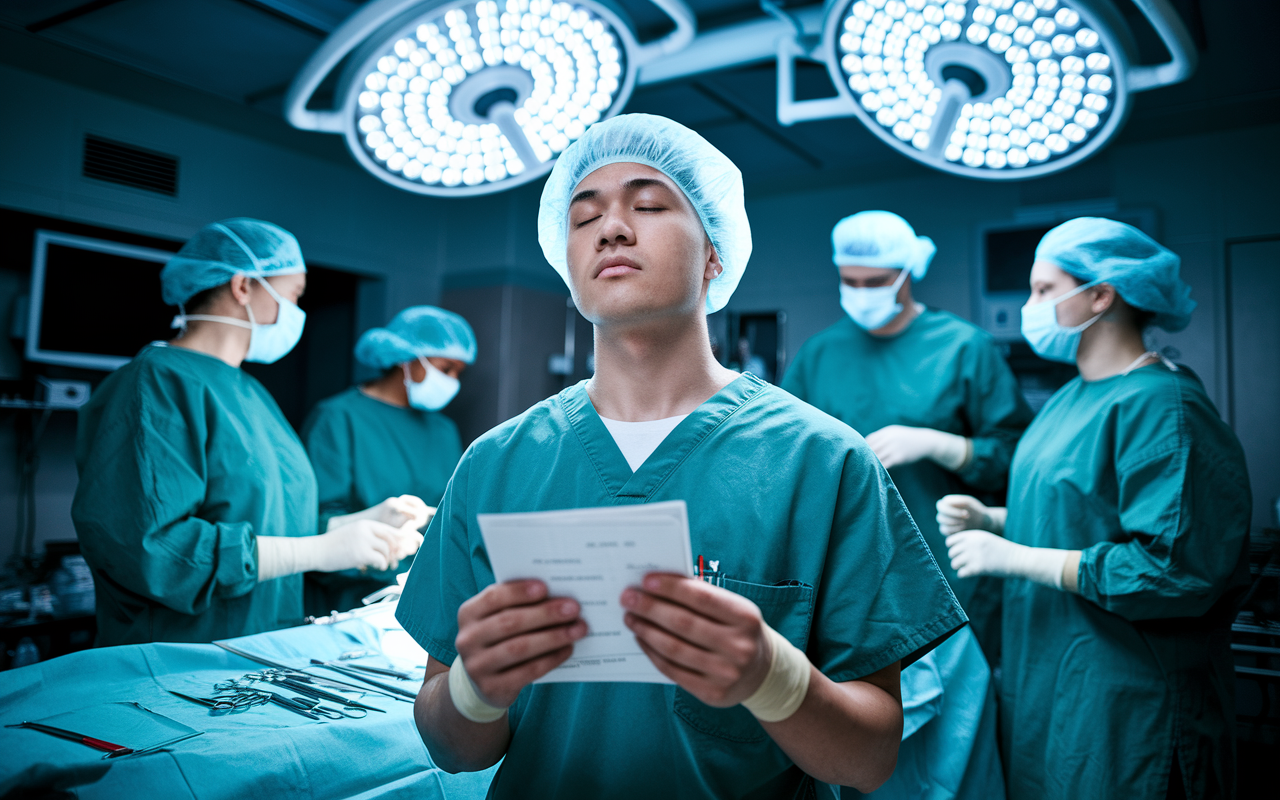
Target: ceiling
column 246, row 52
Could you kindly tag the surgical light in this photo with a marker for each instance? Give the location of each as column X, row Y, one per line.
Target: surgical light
column 468, row 97
column 992, row 89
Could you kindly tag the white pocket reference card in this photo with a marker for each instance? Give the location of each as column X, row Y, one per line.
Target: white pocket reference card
column 591, row 555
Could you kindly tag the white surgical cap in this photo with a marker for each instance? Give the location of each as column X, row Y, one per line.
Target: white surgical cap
column 706, row 176
column 424, row 331
column 1142, row 271
column 881, row 239
column 221, row 250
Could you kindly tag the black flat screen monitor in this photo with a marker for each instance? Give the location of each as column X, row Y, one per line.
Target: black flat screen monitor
column 94, row 303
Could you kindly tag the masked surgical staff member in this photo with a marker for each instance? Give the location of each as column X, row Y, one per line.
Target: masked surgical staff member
column 1124, row 541
column 387, row 438
column 930, row 391
column 786, row 666
column 196, row 503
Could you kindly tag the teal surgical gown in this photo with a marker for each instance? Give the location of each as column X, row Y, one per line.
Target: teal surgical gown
column 941, row 372
column 183, row 461
column 364, row 451
column 1101, row 689
column 796, row 513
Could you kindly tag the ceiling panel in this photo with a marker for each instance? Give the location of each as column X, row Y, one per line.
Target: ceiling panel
column 222, row 46
column 750, row 148
column 28, row 12
column 682, row 103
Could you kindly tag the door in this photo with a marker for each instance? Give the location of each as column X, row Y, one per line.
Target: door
column 1253, row 296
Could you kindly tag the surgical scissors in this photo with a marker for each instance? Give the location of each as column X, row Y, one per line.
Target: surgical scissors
column 239, row 700
column 314, row 706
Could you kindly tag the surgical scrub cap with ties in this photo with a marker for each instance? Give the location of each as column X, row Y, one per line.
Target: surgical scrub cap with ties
column 711, row 182
column 222, row 250
column 1142, row 271
column 418, row 331
column 881, row 239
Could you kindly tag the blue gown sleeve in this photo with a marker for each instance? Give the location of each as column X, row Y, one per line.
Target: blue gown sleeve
column 997, row 414
column 327, row 436
column 1184, row 503
column 444, row 574
column 142, row 487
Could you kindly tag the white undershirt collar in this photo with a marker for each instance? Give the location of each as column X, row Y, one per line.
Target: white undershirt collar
column 638, row 440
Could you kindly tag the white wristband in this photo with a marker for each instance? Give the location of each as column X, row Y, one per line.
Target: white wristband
column 785, row 686
column 465, row 697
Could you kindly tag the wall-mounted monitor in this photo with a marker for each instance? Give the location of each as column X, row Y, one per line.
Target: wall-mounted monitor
column 94, row 303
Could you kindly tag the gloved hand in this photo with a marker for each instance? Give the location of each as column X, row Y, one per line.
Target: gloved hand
column 398, row 512
column 363, row 544
column 974, row 553
column 960, row 512
column 896, row 445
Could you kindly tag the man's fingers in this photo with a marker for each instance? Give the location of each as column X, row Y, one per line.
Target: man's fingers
column 498, row 596
column 509, row 683
column 674, row 618
column 515, row 621
column 510, row 653
column 711, row 666
column 720, row 605
column 684, row 677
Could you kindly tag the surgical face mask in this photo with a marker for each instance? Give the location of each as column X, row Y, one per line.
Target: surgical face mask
column 433, row 392
column 267, row 343
column 1047, row 337
column 875, row 307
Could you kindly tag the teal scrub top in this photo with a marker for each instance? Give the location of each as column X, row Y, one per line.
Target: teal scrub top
column 941, row 372
column 1102, row 688
column 364, row 451
column 800, row 516
column 183, row 461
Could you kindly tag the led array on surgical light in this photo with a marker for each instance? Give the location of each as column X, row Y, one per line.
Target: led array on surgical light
column 408, row 115
column 1060, row 88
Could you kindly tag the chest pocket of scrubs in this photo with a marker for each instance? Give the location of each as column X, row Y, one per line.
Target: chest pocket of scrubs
column 788, row 609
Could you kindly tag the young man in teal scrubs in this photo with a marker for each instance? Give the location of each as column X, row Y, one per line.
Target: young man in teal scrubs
column 785, row 672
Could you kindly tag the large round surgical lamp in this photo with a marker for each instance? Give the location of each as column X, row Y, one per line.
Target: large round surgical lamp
column 991, row 89
column 467, row 97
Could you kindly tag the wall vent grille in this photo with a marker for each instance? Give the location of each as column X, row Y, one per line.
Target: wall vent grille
column 116, row 162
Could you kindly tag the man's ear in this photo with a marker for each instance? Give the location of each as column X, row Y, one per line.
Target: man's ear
column 713, row 268
column 240, row 289
column 1105, row 299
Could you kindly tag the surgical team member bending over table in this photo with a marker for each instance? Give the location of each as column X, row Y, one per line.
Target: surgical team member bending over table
column 929, row 390
column 787, row 668
column 387, row 438
column 196, row 506
column 1124, row 541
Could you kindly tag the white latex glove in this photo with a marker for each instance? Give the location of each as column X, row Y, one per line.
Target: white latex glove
column 405, row 511
column 896, row 445
column 960, row 512
column 363, row 544
column 974, row 553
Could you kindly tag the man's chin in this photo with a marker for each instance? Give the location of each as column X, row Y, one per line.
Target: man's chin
column 623, row 312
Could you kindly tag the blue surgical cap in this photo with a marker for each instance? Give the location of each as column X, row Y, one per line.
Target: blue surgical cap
column 881, row 239
column 1142, row 271
column 222, row 250
column 706, row 176
column 424, row 331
